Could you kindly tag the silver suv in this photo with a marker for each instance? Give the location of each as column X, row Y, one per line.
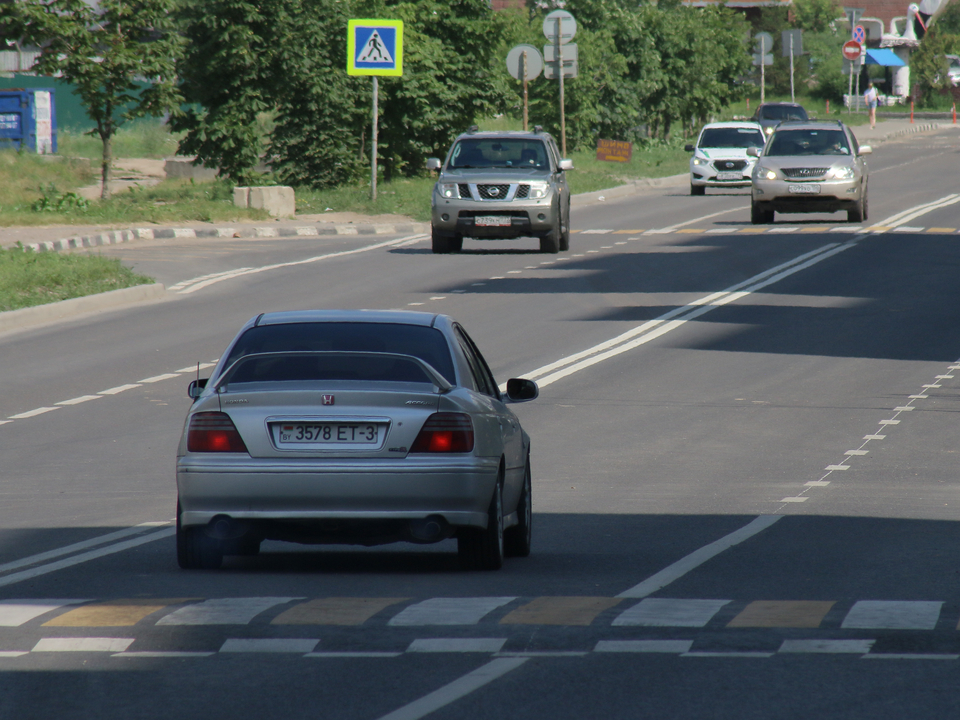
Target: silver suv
column 501, row 185
column 809, row 167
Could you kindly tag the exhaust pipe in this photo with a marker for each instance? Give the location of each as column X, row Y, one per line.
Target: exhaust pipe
column 429, row 530
column 224, row 527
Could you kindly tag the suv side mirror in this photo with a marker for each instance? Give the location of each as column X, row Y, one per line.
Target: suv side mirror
column 520, row 390
column 753, row 152
column 865, row 150
column 196, row 387
column 688, row 148
column 566, row 164
column 433, row 163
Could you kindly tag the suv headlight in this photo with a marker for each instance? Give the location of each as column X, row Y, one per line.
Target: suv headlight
column 538, row 190
column 699, row 161
column 449, row 190
column 765, row 173
column 843, row 172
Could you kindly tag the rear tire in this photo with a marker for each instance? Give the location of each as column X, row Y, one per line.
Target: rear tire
column 517, row 540
column 483, row 549
column 698, row 189
column 196, row 551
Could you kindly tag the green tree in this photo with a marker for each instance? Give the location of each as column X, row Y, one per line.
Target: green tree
column 928, row 64
column 228, row 75
column 816, row 16
column 120, row 57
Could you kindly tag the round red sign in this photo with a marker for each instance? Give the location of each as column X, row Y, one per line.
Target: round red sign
column 851, row 50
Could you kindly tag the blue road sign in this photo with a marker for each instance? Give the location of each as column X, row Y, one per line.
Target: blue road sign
column 375, row 47
column 859, row 34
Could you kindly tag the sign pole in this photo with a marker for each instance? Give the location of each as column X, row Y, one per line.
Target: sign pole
column 373, row 143
column 850, row 90
column 857, row 63
column 792, row 96
column 563, row 119
column 523, row 74
column 763, row 74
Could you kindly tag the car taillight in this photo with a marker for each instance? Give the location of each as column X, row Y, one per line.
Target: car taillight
column 213, row 432
column 445, row 433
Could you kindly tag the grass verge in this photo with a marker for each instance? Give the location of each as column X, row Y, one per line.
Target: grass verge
column 28, row 279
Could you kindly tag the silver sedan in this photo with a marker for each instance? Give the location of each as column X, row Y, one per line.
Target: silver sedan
column 355, row 427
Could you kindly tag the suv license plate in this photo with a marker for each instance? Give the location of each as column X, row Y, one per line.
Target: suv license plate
column 492, row 221
column 730, row 176
column 805, row 189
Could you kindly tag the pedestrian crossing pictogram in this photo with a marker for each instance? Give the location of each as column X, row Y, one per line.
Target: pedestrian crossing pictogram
column 375, row 47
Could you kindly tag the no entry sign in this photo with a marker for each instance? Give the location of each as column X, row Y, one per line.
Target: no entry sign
column 851, row 50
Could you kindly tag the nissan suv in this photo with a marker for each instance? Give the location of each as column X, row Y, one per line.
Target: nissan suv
column 809, row 167
column 501, row 185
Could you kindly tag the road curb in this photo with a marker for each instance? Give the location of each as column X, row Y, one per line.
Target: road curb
column 53, row 312
column 121, row 236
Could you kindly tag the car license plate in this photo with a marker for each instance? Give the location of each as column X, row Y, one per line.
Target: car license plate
column 805, row 189
column 361, row 433
column 730, row 176
column 492, row 221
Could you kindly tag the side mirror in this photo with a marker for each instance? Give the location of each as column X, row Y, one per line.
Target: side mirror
column 196, row 387
column 433, row 163
column 688, row 148
column 865, row 150
column 753, row 152
column 566, row 164
column 520, row 390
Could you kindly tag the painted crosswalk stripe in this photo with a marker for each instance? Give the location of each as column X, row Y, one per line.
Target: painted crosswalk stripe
column 14, row 613
column 84, row 644
column 13, row 653
column 449, row 611
column 116, row 613
column 627, row 232
column 223, row 611
column 909, row 656
column 335, row 611
column 560, row 611
column 338, row 655
column 893, row 615
column 162, row 654
column 858, row 647
column 728, row 654
column 837, row 467
column 270, row 645
column 644, row 646
column 666, row 612
column 782, row 613
column 457, row 645
column 596, row 232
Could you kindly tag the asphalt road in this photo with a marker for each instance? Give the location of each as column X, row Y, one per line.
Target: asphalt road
column 745, row 485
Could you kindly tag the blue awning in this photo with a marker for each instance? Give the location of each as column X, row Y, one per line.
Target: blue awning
column 887, row 58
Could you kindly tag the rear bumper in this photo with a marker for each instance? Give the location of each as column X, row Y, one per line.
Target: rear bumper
column 458, row 490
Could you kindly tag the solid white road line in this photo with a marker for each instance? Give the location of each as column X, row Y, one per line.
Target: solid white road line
column 84, row 557
column 695, row 559
column 76, row 547
column 457, row 689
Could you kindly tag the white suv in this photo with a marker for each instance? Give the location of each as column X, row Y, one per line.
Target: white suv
column 720, row 156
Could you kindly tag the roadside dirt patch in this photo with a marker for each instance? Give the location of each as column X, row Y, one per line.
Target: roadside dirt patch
column 126, row 173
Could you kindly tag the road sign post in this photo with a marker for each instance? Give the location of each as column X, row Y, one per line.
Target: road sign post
column 524, row 63
column 559, row 27
column 764, row 43
column 851, row 51
column 792, row 43
column 375, row 48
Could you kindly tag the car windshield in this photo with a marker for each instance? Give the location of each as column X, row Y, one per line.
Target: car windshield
column 425, row 343
column 783, row 112
column 808, row 142
column 499, row 153
column 731, row 138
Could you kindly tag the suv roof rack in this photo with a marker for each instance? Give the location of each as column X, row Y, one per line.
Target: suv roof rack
column 473, row 128
column 538, row 128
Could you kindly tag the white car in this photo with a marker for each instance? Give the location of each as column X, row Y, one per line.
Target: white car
column 720, row 156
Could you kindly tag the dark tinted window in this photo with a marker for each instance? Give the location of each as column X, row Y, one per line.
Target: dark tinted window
column 782, row 112
column 478, row 366
column 499, row 152
column 731, row 138
column 310, row 367
column 808, row 142
column 426, row 343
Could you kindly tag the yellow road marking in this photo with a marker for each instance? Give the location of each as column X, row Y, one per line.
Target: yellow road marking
column 689, row 231
column 814, row 229
column 335, row 611
column 754, row 230
column 941, row 230
column 782, row 613
column 115, row 613
column 626, row 232
column 560, row 611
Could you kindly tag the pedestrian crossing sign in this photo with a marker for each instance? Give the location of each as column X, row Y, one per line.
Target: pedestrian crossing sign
column 375, row 47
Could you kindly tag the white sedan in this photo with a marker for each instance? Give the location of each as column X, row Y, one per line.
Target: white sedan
column 720, row 156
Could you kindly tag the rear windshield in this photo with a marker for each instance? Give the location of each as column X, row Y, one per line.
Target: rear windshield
column 310, row 367
column 425, row 343
column 782, row 112
column 499, row 153
column 731, row 138
column 808, row 142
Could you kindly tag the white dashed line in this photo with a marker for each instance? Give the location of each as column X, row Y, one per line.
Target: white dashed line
column 33, row 413
column 817, row 483
column 81, row 399
column 117, row 390
column 794, row 499
column 856, row 452
column 158, row 378
column 837, row 467
column 439, row 297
